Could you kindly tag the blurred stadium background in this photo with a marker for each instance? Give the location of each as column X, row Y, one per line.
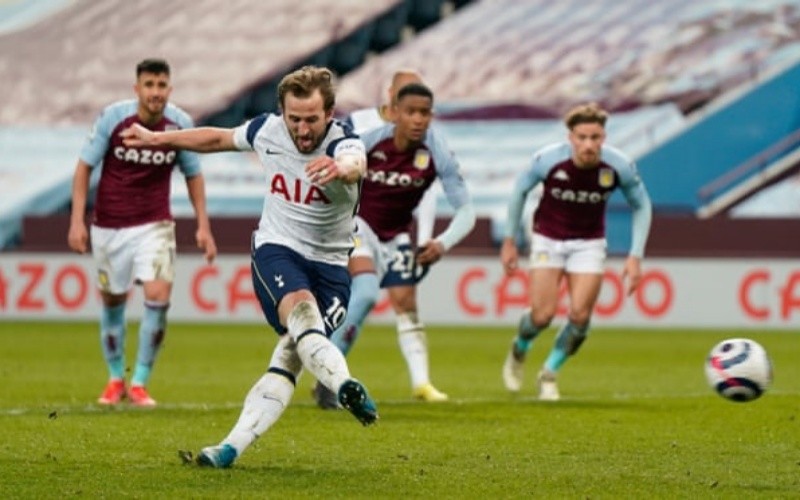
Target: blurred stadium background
column 704, row 95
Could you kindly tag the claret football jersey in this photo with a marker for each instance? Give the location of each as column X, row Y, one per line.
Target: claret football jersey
column 134, row 186
column 396, row 180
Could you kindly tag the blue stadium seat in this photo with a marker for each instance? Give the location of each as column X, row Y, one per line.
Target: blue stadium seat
column 389, row 27
column 424, row 13
column 217, row 54
column 350, row 52
column 552, row 54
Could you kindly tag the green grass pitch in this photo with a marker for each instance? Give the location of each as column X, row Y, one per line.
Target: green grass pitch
column 637, row 420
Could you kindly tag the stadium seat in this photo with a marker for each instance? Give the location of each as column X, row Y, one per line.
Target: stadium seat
column 349, row 52
column 552, row 54
column 424, row 13
column 389, row 27
column 91, row 51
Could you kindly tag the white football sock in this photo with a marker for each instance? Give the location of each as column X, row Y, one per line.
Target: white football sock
column 269, row 396
column 318, row 354
column 263, row 406
column 414, row 346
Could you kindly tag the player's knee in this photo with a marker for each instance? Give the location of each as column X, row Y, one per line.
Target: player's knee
column 157, row 290
column 580, row 317
column 402, row 304
column 541, row 318
column 285, row 360
column 113, row 300
column 403, row 298
column 304, row 319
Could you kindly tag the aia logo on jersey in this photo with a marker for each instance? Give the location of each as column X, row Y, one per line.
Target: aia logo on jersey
column 605, row 177
column 422, row 159
column 297, row 191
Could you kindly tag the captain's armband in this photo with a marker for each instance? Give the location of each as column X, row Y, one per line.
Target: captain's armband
column 352, row 166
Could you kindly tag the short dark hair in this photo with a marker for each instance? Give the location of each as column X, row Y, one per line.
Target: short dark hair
column 418, row 89
column 152, row 65
column 304, row 81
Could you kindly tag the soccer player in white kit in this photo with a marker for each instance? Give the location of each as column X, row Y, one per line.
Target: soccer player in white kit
column 300, row 249
column 568, row 240
column 132, row 232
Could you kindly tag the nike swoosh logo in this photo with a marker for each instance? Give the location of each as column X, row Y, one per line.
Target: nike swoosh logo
column 272, row 152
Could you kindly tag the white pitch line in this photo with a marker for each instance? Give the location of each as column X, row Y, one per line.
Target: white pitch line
column 519, row 398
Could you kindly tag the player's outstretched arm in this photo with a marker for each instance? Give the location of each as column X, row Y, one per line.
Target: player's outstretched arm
column 202, row 139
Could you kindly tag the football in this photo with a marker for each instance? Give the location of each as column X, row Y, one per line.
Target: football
column 739, row 369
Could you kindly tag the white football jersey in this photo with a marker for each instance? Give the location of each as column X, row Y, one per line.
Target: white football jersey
column 365, row 119
column 314, row 220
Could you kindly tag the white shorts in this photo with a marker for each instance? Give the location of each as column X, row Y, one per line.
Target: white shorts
column 394, row 260
column 133, row 255
column 574, row 256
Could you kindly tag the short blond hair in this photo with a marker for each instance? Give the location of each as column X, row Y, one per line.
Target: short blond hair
column 586, row 113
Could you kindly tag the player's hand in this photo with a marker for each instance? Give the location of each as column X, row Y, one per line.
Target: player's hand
column 509, row 256
column 632, row 274
column 322, row 170
column 205, row 242
column 430, row 253
column 137, row 135
column 78, row 237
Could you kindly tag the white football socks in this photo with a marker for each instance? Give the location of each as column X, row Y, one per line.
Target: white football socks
column 269, row 396
column 318, row 354
column 263, row 406
column 414, row 346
